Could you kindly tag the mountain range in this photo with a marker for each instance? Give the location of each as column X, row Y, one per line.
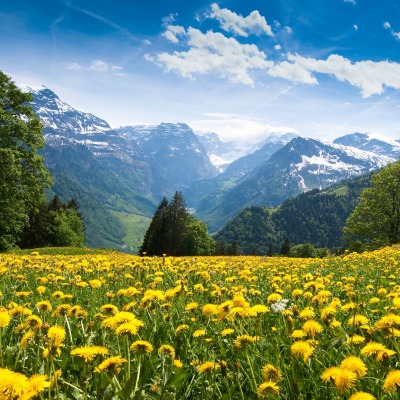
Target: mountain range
column 124, row 172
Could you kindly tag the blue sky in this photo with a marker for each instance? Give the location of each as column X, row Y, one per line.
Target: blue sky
column 241, row 69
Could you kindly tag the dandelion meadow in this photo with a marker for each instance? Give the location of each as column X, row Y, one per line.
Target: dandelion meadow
column 114, row 326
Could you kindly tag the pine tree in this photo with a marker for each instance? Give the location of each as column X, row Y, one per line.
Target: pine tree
column 285, row 248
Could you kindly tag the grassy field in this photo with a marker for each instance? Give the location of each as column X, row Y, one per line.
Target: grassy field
column 108, row 326
column 136, row 226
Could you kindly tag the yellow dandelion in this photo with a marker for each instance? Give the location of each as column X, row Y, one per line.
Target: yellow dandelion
column 312, row 328
column 207, row 366
column 178, row 363
column 355, row 339
column 268, row 388
column 243, row 340
column 109, row 309
column 167, row 350
column 358, row 320
column 354, row 364
column 271, row 373
column 141, row 347
column 303, row 349
column 55, row 336
column 44, row 306
column 26, row 339
column 307, row 313
column 4, row 319
column 345, row 380
column 199, row 332
column 362, row 396
column 227, row 331
column 392, row 381
column 329, row 374
column 89, row 353
column 112, row 365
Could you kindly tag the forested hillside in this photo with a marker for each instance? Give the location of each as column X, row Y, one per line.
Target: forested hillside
column 315, row 217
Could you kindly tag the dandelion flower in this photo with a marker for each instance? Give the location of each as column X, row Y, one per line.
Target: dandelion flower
column 243, row 340
column 362, row 396
column 4, row 319
column 312, row 328
column 303, row 349
column 199, row 332
column 128, row 328
column 227, row 331
column 44, row 306
column 329, row 374
column 178, row 363
column 354, row 364
column 89, row 353
column 141, row 347
column 392, row 381
column 345, row 380
column 167, row 350
column 111, row 366
column 268, row 388
column 207, row 366
column 271, row 373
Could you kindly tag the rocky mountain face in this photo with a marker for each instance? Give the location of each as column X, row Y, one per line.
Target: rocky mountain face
column 301, row 165
column 129, row 169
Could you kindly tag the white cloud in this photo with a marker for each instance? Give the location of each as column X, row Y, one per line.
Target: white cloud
column 172, row 33
column 212, row 52
column 97, row 66
column 231, row 22
column 350, row 1
column 396, row 35
column 278, row 47
column 369, row 76
column 236, row 127
column 355, row 27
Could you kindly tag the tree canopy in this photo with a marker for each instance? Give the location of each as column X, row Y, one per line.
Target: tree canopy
column 23, row 175
column 174, row 231
column 376, row 219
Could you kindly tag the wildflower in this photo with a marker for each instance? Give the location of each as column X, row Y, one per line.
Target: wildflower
column 55, row 336
column 297, row 334
column 392, row 381
column 271, row 373
column 112, row 365
column 354, row 364
column 388, row 321
column 280, row 305
column 207, row 366
column 301, row 348
column 307, row 313
column 141, row 347
column 14, row 385
column 372, row 348
column 356, row 339
column 191, row 306
column 345, row 380
column 41, row 289
column 362, row 396
column 210, row 309
column 178, row 363
column 4, row 319
column 357, row 320
column 167, row 350
column 243, row 340
column 61, row 310
column 44, row 306
column 312, row 328
column 33, row 322
column 330, row 374
column 268, row 388
column 128, row 328
column 109, row 309
column 274, row 297
column 88, row 353
column 227, row 331
column 26, row 339
column 199, row 332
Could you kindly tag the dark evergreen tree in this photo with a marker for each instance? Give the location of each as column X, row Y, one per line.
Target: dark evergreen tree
column 220, row 248
column 175, row 232
column 270, row 252
column 285, row 248
column 233, row 249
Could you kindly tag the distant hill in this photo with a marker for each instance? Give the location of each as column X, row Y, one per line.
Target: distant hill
column 315, row 217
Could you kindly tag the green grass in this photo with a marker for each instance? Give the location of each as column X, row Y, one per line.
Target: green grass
column 136, row 226
column 340, row 191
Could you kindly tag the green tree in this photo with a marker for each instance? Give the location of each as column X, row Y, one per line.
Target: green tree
column 23, row 175
column 305, row 250
column 285, row 248
column 376, row 219
column 175, row 232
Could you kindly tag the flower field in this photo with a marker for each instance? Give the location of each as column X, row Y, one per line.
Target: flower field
column 114, row 326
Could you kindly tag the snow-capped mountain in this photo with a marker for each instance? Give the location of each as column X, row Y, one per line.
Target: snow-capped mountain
column 301, row 165
column 59, row 117
column 371, row 142
column 246, row 164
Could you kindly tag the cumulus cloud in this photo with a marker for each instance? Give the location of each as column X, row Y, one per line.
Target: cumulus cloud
column 369, row 76
column 350, row 1
column 173, row 32
column 211, row 52
column 254, row 23
column 97, row 66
